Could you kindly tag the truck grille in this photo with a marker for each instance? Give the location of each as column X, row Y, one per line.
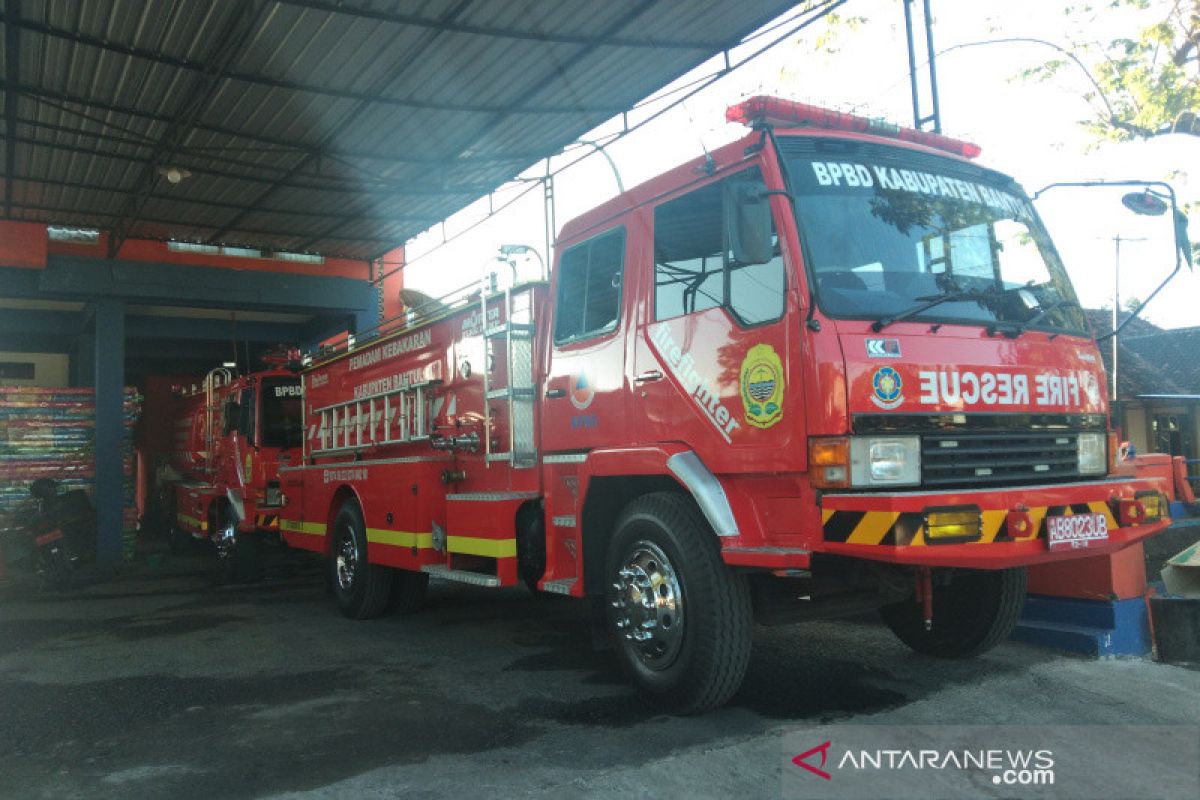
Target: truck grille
column 998, row 458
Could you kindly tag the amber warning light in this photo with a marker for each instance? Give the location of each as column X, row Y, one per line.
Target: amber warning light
column 789, row 114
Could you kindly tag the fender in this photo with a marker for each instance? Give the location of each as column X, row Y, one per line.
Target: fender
column 683, row 464
column 234, row 496
column 707, row 491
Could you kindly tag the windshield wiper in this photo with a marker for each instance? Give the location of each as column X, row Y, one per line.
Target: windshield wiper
column 1021, row 327
column 953, row 296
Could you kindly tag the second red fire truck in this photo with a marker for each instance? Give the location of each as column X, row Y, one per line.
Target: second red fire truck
column 232, row 432
column 834, row 366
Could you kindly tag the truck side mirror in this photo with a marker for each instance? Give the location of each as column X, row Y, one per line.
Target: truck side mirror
column 1150, row 204
column 747, row 220
column 1181, row 237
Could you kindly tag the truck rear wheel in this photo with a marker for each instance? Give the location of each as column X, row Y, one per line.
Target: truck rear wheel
column 680, row 620
column 973, row 611
column 362, row 589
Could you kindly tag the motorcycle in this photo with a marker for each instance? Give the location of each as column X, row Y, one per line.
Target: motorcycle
column 53, row 535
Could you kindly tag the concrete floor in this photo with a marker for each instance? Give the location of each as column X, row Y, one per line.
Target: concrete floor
column 164, row 686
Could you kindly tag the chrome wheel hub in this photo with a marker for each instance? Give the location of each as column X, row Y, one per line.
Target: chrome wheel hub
column 648, row 605
column 224, row 538
column 346, row 563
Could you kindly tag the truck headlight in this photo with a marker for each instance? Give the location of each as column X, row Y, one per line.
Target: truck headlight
column 1093, row 453
column 885, row 461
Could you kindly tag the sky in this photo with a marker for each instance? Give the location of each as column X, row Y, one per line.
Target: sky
column 1030, row 130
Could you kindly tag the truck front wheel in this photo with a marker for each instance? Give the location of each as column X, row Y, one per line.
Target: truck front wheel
column 237, row 551
column 973, row 611
column 679, row 618
column 362, row 589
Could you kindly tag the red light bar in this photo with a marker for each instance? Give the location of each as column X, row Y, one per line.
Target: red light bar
column 789, row 114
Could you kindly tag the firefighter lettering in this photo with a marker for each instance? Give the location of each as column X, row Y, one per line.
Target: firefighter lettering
column 683, row 367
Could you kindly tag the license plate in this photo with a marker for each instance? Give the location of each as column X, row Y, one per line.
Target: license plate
column 1076, row 532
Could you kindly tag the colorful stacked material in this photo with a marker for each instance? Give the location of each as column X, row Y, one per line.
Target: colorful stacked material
column 50, row 433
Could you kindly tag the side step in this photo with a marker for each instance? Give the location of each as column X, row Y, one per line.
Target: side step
column 562, row 586
column 461, row 575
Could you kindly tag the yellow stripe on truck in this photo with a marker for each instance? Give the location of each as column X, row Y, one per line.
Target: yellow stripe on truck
column 474, row 546
column 296, row 526
column 191, row 522
column 400, row 538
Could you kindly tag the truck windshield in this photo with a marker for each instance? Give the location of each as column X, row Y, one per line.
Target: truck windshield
column 886, row 233
column 282, row 425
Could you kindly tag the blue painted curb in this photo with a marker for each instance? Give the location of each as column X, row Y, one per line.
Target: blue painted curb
column 1097, row 628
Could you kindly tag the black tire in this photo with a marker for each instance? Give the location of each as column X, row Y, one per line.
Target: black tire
column 697, row 656
column 60, row 571
column 531, row 547
column 239, row 559
column 362, row 589
column 408, row 591
column 973, row 611
column 243, row 564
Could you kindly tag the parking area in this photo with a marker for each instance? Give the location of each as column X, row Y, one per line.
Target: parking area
column 162, row 685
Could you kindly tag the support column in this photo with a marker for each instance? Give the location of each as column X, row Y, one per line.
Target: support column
column 109, row 363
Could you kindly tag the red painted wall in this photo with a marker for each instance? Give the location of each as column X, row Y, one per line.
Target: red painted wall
column 22, row 244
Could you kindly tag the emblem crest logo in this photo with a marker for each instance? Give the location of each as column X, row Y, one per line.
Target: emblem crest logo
column 887, row 388
column 581, row 392
column 762, row 385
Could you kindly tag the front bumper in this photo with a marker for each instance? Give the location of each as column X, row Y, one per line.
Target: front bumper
column 890, row 527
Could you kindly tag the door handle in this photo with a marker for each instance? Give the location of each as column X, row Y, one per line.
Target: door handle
column 554, row 394
column 648, row 375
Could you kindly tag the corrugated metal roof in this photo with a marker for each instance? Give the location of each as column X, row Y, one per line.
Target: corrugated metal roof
column 337, row 126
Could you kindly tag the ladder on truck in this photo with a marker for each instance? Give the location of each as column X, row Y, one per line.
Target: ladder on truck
column 511, row 337
column 395, row 416
column 215, row 379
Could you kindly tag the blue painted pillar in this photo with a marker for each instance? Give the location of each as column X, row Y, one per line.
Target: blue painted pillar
column 109, row 381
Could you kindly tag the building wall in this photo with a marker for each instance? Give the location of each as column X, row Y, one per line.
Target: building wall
column 1135, row 428
column 49, row 369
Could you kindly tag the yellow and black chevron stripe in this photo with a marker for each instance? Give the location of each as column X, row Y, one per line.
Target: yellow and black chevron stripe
column 268, row 522
column 907, row 528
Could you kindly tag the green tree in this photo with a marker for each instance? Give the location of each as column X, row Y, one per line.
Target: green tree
column 1144, row 85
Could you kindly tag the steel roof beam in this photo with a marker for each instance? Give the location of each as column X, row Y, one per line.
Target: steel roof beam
column 348, row 120
column 291, row 86
column 491, row 124
column 66, row 220
column 229, row 44
column 12, row 67
column 98, row 187
column 412, row 20
column 299, row 181
column 39, row 93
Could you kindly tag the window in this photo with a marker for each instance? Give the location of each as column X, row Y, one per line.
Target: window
column 589, row 288
column 282, row 417
column 694, row 269
column 17, row 370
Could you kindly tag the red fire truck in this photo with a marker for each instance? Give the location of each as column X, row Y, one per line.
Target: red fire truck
column 831, row 367
column 231, row 435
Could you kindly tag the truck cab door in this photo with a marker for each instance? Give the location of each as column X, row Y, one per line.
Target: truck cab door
column 584, row 393
column 584, row 403
column 713, row 359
